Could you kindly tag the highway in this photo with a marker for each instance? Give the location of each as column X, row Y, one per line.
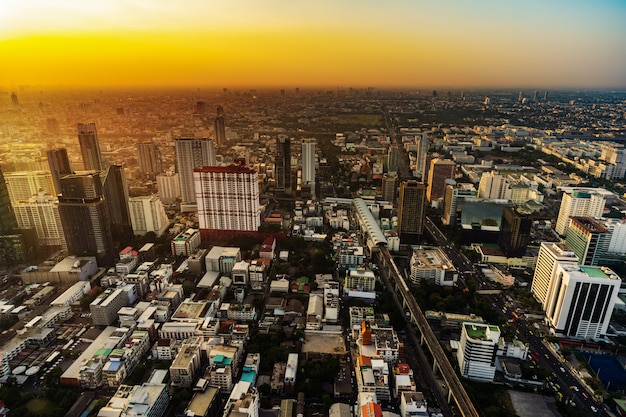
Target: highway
column 456, row 389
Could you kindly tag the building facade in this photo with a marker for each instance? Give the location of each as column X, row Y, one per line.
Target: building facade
column 147, row 215
column 89, row 147
column 192, row 154
column 579, row 203
column 411, row 207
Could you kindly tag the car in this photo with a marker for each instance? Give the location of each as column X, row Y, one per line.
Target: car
column 594, row 409
column 562, row 369
column 575, row 388
column 546, row 355
column 585, row 395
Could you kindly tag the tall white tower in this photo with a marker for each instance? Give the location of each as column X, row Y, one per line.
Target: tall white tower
column 550, row 254
column 579, row 203
column 192, row 154
column 308, row 163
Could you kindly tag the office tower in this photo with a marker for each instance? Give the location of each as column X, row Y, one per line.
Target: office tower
column 520, row 97
column 59, row 166
column 411, row 206
column 423, row 144
column 588, row 239
column 514, row 232
column 168, row 185
column 220, row 129
column 14, row 99
column 84, row 217
column 147, row 215
column 493, row 186
column 282, row 164
column 227, row 198
column 7, row 215
column 477, row 351
column 23, row 185
column 440, row 171
column 89, row 147
column 308, row 163
column 581, row 300
column 150, row 161
column 191, row 154
column 550, row 254
column 578, row 203
column 390, row 185
column 115, row 189
column 41, row 213
column 545, row 95
column 392, row 158
column 451, row 197
column 535, row 96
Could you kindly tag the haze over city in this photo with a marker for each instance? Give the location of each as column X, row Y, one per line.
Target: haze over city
column 247, row 43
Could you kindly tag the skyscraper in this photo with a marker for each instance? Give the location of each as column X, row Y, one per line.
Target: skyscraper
column 150, row 161
column 192, row 154
column 227, row 198
column 440, row 171
column 168, row 185
column 282, row 164
column 550, row 254
column 450, row 200
column 115, row 190
column 390, row 185
column 514, row 232
column 14, row 99
column 308, row 163
column 423, row 144
column 220, row 130
column 411, row 206
column 89, row 146
column 588, row 239
column 147, row 215
column 41, row 213
column 7, row 216
column 578, row 202
column 392, row 158
column 23, row 185
column 84, row 217
column 59, row 166
column 493, row 186
column 581, row 300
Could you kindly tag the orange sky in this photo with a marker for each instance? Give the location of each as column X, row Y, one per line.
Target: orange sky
column 341, row 43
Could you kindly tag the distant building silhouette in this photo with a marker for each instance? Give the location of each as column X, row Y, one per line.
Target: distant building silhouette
column 191, row 154
column 411, row 208
column 89, row 146
column 392, row 158
column 150, row 160
column 282, row 164
column 7, row 216
column 115, row 190
column 14, row 99
column 84, row 216
column 59, row 166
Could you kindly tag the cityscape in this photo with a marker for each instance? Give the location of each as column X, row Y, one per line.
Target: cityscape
column 257, row 210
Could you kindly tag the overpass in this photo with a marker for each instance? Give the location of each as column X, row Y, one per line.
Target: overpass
column 456, row 390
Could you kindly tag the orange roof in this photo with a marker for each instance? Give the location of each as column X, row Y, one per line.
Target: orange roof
column 365, row 361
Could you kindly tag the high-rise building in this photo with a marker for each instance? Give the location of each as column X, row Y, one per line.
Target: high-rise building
column 89, row 146
column 220, row 130
column 588, row 239
column 477, row 351
column 227, row 198
column 308, row 162
column 392, row 158
column 84, row 217
column 7, row 215
column 282, row 164
column 150, row 161
column 14, row 99
column 440, row 171
column 147, row 215
column 578, row 203
column 493, row 186
column 168, row 185
column 514, row 231
column 451, row 197
column 411, row 207
column 581, row 300
column 41, row 213
column 550, row 254
column 423, row 143
column 23, row 185
column 59, row 166
column 390, row 185
column 115, row 189
column 192, row 154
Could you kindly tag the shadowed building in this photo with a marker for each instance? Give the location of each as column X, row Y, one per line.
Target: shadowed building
column 89, row 146
column 59, row 166
column 411, row 205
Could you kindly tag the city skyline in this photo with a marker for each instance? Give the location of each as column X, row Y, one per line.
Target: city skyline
column 348, row 43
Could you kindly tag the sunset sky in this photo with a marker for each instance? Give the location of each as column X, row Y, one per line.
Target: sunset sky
column 242, row 43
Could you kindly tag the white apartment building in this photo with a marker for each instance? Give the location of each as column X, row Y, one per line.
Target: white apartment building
column 186, row 243
column 185, row 367
column 227, row 198
column 579, row 203
column 550, row 254
column 41, row 213
column 493, row 186
column 192, row 153
column 22, row 185
column 581, row 300
column 477, row 351
column 432, row 265
column 147, row 215
column 308, row 162
column 413, row 404
column 169, row 186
